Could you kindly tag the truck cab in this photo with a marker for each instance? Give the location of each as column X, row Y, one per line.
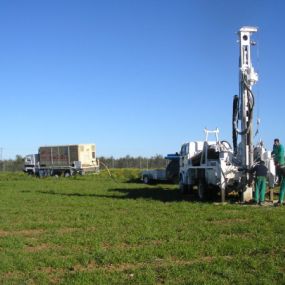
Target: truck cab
column 31, row 163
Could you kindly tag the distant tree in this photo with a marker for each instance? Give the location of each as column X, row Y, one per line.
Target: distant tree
column 16, row 164
column 128, row 161
column 19, row 163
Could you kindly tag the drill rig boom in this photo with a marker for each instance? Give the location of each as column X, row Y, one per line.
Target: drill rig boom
column 247, row 78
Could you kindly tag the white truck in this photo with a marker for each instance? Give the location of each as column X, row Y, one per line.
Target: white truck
column 153, row 175
column 216, row 167
column 64, row 160
column 169, row 174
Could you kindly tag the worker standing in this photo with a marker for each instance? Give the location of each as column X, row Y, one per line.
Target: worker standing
column 282, row 186
column 260, row 171
column 278, row 156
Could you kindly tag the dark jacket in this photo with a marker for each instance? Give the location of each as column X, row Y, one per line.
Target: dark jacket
column 259, row 170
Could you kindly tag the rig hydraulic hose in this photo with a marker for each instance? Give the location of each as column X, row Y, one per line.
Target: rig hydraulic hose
column 236, row 104
column 235, row 119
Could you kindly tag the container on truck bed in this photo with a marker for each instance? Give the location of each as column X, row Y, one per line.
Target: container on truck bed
column 62, row 160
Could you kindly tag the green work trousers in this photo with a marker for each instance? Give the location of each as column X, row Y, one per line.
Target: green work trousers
column 282, row 190
column 260, row 188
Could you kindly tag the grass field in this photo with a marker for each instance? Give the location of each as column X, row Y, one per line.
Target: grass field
column 98, row 230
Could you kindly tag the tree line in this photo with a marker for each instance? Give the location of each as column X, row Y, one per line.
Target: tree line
column 157, row 161
column 128, row 161
column 12, row 165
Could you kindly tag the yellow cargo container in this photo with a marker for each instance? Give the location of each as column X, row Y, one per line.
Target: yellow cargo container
column 83, row 155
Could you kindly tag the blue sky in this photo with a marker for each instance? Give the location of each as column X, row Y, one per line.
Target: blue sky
column 137, row 77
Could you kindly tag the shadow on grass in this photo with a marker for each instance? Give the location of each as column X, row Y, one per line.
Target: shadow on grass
column 147, row 193
column 134, row 180
column 139, row 181
column 151, row 193
column 164, row 195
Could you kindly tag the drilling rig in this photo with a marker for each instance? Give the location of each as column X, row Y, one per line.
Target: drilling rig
column 243, row 108
column 212, row 166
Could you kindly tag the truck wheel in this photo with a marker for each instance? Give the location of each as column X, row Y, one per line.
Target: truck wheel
column 146, row 180
column 182, row 187
column 202, row 191
column 66, row 174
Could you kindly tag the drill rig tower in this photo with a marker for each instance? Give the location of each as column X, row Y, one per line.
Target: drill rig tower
column 244, row 107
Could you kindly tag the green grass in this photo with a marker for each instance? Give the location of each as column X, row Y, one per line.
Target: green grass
column 95, row 229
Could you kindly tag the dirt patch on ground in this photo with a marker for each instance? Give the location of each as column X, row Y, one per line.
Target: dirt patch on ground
column 54, row 274
column 156, row 263
column 125, row 245
column 159, row 263
column 4, row 233
column 228, row 221
column 37, row 248
column 26, row 233
column 91, row 229
column 243, row 236
column 31, row 232
column 71, row 230
column 67, row 230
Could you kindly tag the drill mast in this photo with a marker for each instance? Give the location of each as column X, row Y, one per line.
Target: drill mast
column 247, row 78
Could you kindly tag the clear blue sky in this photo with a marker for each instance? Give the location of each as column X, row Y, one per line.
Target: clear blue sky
column 137, row 77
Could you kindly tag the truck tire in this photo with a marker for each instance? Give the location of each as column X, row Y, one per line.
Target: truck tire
column 202, row 190
column 146, row 180
column 182, row 187
column 66, row 174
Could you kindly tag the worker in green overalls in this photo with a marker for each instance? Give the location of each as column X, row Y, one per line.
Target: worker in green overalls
column 278, row 156
column 260, row 171
column 282, row 186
